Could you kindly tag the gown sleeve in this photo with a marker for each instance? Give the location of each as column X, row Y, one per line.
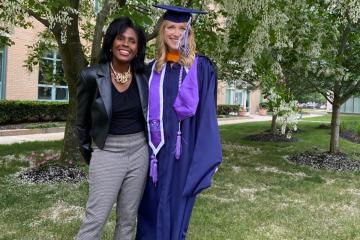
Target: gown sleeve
column 207, row 150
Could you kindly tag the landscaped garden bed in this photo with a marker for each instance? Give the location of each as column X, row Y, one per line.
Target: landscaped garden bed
column 53, row 174
column 325, row 160
column 350, row 130
column 270, row 137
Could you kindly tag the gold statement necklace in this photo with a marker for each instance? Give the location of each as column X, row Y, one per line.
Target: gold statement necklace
column 121, row 77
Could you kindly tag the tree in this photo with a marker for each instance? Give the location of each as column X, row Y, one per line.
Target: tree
column 67, row 22
column 313, row 45
column 256, row 38
column 326, row 53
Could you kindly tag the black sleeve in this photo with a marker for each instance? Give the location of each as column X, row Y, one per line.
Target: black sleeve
column 83, row 116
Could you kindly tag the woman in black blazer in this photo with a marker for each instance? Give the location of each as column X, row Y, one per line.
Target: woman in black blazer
column 111, row 112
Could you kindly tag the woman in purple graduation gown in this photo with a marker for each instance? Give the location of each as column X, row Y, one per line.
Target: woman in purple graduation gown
column 183, row 131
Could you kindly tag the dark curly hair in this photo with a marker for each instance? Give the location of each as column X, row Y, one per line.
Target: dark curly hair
column 119, row 26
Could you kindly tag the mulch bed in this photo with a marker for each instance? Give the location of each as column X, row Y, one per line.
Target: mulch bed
column 325, row 160
column 53, row 174
column 350, row 136
column 324, row 126
column 270, row 137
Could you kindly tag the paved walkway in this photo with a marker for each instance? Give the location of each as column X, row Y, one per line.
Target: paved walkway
column 60, row 135
column 31, row 138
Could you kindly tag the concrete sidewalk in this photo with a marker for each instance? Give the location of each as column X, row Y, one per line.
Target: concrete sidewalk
column 31, row 138
column 60, row 135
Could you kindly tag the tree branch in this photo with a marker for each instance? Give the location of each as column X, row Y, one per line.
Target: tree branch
column 343, row 40
column 352, row 91
column 98, row 33
column 37, row 16
column 155, row 32
column 319, row 90
column 188, row 3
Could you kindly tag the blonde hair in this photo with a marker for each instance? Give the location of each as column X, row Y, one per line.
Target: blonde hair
column 162, row 49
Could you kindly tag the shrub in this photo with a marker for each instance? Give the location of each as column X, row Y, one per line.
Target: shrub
column 351, row 126
column 343, row 126
column 227, row 109
column 31, row 111
column 263, row 105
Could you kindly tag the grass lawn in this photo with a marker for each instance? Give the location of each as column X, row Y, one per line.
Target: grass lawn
column 327, row 118
column 256, row 194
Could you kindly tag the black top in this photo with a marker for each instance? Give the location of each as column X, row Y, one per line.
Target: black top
column 127, row 116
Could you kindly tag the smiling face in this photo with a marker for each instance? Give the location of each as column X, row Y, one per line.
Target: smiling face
column 125, row 46
column 172, row 34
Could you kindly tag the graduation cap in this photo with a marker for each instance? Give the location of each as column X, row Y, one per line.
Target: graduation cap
column 177, row 14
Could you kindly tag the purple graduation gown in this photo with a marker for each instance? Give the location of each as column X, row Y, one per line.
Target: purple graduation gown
column 165, row 209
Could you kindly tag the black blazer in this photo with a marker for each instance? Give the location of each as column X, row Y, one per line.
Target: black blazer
column 94, row 105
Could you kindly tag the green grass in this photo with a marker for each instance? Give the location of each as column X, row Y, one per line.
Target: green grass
column 44, row 125
column 256, row 194
column 327, row 118
column 24, row 148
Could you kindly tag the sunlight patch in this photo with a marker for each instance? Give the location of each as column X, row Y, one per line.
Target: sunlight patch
column 272, row 231
column 238, row 149
column 218, row 199
column 236, row 169
column 7, row 159
column 249, row 193
column 63, row 212
column 353, row 191
column 276, row 170
column 342, row 210
column 329, row 181
column 14, row 157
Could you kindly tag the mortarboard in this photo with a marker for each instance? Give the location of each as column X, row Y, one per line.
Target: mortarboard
column 177, row 14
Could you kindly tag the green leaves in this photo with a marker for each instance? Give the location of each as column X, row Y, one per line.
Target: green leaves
column 46, row 43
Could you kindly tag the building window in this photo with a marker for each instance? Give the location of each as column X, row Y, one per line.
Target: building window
column 97, row 6
column 228, row 96
column 2, row 72
column 52, row 86
column 238, row 97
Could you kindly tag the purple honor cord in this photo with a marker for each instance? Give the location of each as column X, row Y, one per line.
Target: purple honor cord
column 178, row 136
column 153, row 169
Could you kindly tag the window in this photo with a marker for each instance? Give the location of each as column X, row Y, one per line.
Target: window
column 234, row 96
column 51, row 86
column 238, row 97
column 2, row 72
column 97, row 6
column 228, row 95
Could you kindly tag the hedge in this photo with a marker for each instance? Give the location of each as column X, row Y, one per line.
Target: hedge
column 352, row 126
column 31, row 111
column 227, row 109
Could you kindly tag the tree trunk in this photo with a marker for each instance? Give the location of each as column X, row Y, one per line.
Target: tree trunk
column 273, row 124
column 335, row 127
column 70, row 152
column 73, row 59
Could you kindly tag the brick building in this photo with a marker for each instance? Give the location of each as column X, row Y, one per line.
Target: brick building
column 17, row 83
